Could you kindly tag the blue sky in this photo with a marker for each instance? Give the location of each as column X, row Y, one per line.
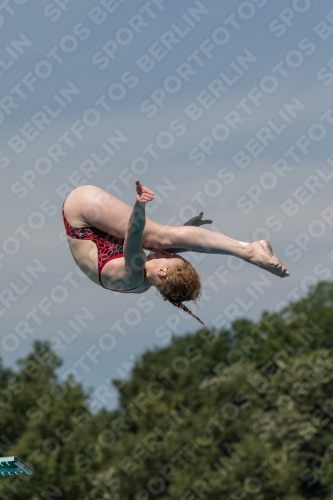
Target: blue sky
column 264, row 55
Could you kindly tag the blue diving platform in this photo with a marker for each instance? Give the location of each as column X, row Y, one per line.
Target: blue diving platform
column 13, row 466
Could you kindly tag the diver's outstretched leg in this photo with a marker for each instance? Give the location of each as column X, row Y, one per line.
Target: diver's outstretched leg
column 197, row 239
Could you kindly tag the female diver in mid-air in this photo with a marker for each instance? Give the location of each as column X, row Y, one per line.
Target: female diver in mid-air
column 107, row 237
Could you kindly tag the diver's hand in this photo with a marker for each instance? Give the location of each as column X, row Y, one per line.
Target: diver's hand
column 143, row 194
column 197, row 221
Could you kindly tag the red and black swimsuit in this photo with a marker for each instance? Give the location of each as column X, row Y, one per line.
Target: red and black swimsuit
column 108, row 247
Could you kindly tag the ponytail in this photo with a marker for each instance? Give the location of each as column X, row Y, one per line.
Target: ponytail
column 186, row 309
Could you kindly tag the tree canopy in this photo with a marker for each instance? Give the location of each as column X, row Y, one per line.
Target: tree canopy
column 244, row 412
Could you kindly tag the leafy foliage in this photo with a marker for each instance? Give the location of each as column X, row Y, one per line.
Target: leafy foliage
column 241, row 413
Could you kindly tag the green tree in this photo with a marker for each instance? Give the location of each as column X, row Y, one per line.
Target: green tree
column 48, row 424
column 244, row 412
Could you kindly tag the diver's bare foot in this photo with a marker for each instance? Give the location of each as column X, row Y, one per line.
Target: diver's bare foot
column 261, row 254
